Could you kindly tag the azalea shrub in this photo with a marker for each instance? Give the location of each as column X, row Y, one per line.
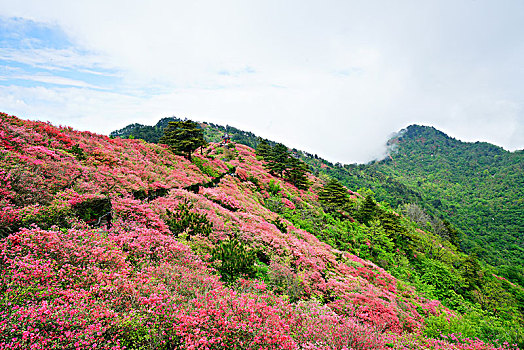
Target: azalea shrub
column 217, row 268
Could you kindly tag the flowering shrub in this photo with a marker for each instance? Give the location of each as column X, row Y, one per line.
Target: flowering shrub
column 288, row 203
column 221, row 198
column 66, row 285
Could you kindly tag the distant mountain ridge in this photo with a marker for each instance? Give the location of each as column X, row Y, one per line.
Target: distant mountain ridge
column 478, row 187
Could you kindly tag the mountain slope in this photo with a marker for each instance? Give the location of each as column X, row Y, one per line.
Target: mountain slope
column 477, row 187
column 119, row 243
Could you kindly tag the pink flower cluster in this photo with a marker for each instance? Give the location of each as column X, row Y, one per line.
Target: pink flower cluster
column 78, row 288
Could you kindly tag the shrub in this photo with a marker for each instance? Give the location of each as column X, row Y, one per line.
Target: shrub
column 274, row 187
column 78, row 152
column 204, row 167
column 282, row 227
column 236, row 260
column 182, row 220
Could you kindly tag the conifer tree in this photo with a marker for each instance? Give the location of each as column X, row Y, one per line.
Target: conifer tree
column 277, row 159
column 453, row 234
column 334, row 195
column 263, row 149
column 280, row 162
column 296, row 173
column 183, row 137
column 235, row 260
column 391, row 224
column 367, row 211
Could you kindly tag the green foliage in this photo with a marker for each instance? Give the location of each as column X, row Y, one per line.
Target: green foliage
column 263, row 149
column 296, row 173
column 282, row 227
column 93, row 211
column 144, row 132
column 452, row 234
column 78, row 152
column 274, row 203
column 273, row 187
column 277, row 159
column 183, row 137
column 392, row 225
column 471, row 271
column 281, row 163
column 184, row 221
column 367, row 210
column 204, row 167
column 474, row 188
column 425, row 261
column 53, row 214
column 254, row 181
column 441, row 276
column 333, row 195
column 234, row 260
column 135, row 335
column 476, row 323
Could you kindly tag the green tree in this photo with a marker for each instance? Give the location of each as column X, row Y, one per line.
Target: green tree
column 263, row 149
column 392, row 225
column 277, row 159
column 296, row 173
column 235, row 260
column 471, row 271
column 333, row 195
column 184, row 220
column 183, row 137
column 367, row 211
column 453, row 233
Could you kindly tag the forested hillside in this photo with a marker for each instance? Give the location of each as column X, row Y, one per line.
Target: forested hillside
column 122, row 244
column 478, row 187
column 212, row 132
column 445, row 184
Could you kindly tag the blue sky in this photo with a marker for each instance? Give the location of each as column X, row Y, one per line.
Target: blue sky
column 39, row 54
column 334, row 78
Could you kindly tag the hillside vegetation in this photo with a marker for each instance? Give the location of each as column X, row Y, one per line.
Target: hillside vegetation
column 476, row 189
column 120, row 244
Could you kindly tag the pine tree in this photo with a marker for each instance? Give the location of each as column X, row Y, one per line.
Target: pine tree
column 367, row 211
column 333, row 195
column 277, row 159
column 453, row 234
column 236, row 260
column 184, row 220
column 263, row 149
column 183, row 137
column 296, row 173
column 391, row 224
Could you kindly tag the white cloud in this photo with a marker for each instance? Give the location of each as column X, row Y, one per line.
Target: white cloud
column 331, row 78
column 52, row 59
column 53, row 79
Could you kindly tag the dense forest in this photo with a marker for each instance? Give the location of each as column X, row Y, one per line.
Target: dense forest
column 478, row 187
